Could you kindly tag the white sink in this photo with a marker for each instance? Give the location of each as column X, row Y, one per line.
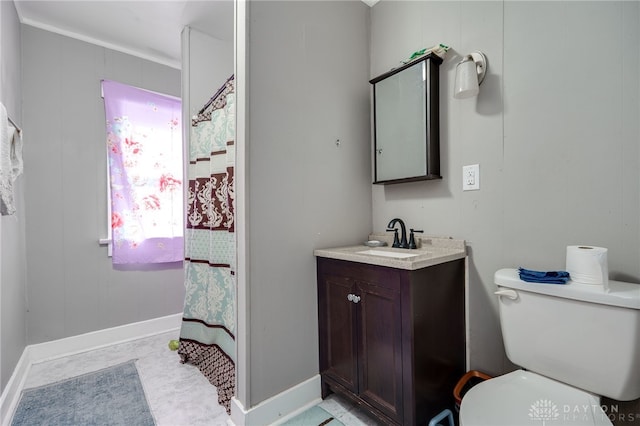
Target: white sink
column 385, row 253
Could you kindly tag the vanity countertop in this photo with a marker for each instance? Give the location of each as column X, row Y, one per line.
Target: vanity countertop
column 431, row 251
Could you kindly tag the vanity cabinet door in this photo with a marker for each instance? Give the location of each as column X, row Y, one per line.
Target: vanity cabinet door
column 338, row 331
column 380, row 348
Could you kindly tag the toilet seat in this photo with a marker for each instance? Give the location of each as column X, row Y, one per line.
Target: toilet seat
column 523, row 398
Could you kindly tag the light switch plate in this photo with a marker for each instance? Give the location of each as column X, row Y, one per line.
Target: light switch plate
column 471, row 177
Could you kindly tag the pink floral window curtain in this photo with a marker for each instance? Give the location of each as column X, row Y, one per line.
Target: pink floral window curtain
column 144, row 144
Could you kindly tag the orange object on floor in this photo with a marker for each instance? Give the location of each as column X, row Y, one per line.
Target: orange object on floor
column 470, row 376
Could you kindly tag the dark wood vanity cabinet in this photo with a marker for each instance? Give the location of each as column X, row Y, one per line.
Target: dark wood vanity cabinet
column 392, row 340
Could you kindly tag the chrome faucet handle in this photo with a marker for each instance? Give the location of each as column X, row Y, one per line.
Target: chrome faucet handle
column 412, row 240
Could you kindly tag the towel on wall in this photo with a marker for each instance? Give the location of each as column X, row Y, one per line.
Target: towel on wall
column 10, row 161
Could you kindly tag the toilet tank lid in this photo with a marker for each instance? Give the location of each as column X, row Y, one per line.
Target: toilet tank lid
column 626, row 295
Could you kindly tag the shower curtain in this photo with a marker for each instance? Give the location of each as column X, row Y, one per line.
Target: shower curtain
column 207, row 335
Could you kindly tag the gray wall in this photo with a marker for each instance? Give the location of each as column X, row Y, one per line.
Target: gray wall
column 307, row 86
column 12, row 228
column 210, row 64
column 72, row 286
column 554, row 129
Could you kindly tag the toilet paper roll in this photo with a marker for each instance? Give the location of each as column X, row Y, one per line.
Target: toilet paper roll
column 588, row 265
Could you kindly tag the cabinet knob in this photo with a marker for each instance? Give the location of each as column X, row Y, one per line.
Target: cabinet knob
column 353, row 298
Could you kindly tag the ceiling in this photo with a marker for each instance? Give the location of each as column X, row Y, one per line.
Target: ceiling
column 149, row 28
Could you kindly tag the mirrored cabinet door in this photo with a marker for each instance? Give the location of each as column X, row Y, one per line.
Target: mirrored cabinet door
column 406, row 123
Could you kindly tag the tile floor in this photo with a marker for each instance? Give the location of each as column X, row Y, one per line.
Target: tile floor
column 346, row 412
column 169, row 385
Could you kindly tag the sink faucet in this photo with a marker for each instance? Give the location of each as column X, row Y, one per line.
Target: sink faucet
column 392, row 227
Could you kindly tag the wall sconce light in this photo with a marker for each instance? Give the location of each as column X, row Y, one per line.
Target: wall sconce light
column 469, row 74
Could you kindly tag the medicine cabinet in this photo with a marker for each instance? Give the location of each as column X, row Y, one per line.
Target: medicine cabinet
column 406, row 118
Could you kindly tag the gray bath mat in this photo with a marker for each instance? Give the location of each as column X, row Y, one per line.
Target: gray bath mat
column 112, row 396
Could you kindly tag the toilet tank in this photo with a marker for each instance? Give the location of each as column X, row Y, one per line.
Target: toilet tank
column 577, row 334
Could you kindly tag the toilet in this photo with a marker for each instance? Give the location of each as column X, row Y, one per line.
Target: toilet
column 573, row 342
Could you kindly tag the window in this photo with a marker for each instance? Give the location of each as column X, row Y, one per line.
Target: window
column 144, row 153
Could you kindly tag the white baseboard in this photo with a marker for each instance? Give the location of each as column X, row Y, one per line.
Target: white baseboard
column 33, row 354
column 278, row 408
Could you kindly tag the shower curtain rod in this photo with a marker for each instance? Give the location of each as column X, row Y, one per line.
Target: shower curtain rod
column 13, row 123
column 214, row 97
